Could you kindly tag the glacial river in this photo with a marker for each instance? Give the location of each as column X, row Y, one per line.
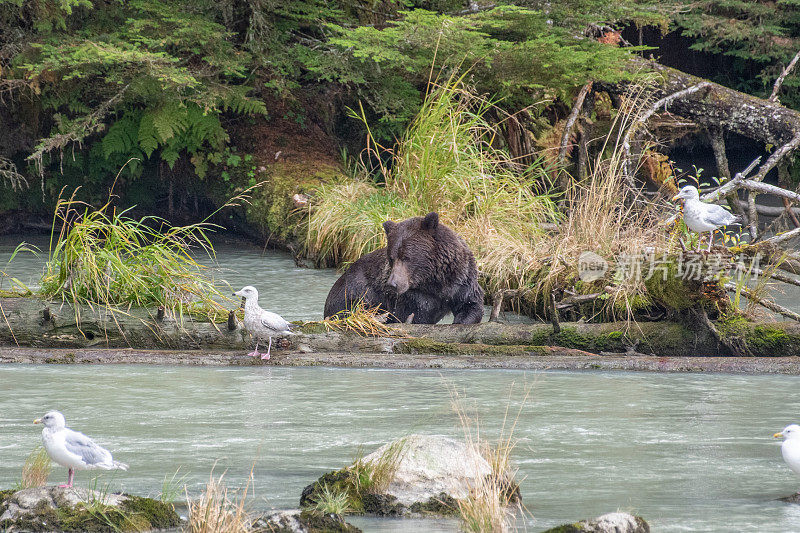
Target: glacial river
column 688, row 452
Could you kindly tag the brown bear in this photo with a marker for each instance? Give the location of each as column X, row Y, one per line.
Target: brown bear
column 426, row 270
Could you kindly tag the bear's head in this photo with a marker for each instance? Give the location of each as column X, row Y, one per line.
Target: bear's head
column 411, row 250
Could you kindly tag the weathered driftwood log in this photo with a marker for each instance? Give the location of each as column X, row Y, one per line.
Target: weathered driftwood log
column 22, row 323
column 35, row 322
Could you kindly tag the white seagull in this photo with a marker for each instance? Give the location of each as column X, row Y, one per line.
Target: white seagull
column 790, row 447
column 700, row 216
column 259, row 323
column 74, row 450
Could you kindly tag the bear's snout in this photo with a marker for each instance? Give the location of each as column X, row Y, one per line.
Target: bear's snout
column 398, row 278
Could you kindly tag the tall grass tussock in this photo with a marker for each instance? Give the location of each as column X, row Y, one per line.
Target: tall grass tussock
column 104, row 257
column 448, row 161
column 493, row 501
column 36, row 469
column 217, row 511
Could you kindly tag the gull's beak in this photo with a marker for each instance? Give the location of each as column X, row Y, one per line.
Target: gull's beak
column 777, row 435
column 676, row 197
column 37, row 421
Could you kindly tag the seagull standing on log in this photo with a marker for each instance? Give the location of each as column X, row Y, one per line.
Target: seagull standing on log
column 260, row 323
column 700, row 216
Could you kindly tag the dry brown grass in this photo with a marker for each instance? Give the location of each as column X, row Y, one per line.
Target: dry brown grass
column 363, row 320
column 217, row 511
column 36, row 469
column 491, row 506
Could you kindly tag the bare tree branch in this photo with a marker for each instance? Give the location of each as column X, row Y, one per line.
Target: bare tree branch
column 573, row 116
column 777, row 87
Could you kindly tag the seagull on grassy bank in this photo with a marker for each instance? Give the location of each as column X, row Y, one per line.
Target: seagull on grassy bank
column 74, row 450
column 790, row 447
column 700, row 216
column 259, row 323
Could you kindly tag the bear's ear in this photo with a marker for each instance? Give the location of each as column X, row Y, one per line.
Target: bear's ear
column 388, row 226
column 431, row 221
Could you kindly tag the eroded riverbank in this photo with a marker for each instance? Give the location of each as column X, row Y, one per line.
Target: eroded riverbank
column 557, row 359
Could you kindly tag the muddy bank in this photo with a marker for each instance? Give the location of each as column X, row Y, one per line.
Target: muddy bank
column 556, row 360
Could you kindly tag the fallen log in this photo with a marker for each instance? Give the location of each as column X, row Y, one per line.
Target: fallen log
column 25, row 325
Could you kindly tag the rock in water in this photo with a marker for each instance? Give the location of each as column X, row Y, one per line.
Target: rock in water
column 427, row 475
column 63, row 509
column 296, row 521
column 608, row 523
column 429, row 466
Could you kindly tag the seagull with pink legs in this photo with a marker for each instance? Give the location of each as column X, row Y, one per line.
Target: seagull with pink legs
column 74, row 450
column 261, row 324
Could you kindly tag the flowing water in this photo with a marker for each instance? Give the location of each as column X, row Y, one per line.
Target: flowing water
column 688, row 452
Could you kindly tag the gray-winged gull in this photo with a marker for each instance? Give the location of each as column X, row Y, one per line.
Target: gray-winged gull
column 74, row 450
column 259, row 323
column 790, row 447
column 700, row 216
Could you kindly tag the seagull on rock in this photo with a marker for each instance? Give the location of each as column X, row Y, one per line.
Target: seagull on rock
column 700, row 216
column 259, row 323
column 74, row 450
column 790, row 448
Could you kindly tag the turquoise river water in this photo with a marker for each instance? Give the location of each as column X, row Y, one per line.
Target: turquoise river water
column 688, row 452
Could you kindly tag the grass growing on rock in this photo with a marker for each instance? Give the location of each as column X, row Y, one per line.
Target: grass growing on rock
column 360, row 487
column 36, row 469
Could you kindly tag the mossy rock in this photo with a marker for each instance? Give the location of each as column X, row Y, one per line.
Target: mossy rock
column 272, row 210
column 160, row 515
column 441, row 505
column 340, row 481
column 608, row 523
column 62, row 509
column 316, row 522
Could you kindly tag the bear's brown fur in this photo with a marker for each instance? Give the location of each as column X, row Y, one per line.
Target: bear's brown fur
column 426, row 270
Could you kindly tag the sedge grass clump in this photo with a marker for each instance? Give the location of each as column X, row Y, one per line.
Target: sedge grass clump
column 216, row 511
column 101, row 256
column 362, row 320
column 492, row 500
column 375, row 476
column 36, row 469
column 331, row 501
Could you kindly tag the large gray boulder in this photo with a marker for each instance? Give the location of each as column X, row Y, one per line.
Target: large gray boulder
column 419, row 474
column 608, row 523
column 431, row 465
